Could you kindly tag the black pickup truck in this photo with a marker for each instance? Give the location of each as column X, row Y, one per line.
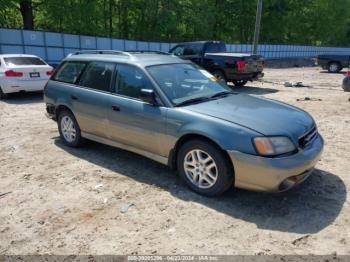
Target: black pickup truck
column 230, row 67
column 333, row 63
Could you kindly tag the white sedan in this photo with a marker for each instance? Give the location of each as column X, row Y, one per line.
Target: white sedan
column 22, row 73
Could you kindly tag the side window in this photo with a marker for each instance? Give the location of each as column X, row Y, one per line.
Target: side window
column 69, row 72
column 98, row 75
column 193, row 49
column 178, row 51
column 130, row 81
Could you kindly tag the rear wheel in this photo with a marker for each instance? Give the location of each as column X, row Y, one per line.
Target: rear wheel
column 69, row 129
column 334, row 67
column 204, row 168
column 2, row 94
column 240, row 82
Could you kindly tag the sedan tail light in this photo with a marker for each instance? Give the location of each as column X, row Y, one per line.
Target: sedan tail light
column 347, row 73
column 240, row 65
column 11, row 73
column 50, row 73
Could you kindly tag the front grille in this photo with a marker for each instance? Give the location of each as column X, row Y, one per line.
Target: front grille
column 307, row 138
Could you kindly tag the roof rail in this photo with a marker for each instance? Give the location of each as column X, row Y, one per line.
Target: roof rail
column 147, row 51
column 110, row 52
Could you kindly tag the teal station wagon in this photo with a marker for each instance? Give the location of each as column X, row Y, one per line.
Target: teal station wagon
column 178, row 114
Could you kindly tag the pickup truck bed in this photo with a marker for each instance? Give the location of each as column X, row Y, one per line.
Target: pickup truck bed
column 252, row 70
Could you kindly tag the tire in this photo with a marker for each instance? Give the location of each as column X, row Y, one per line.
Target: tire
column 220, row 76
column 212, row 178
column 334, row 67
column 2, row 94
column 240, row 83
column 69, row 129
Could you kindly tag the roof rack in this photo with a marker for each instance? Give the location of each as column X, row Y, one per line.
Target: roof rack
column 110, row 52
column 147, row 51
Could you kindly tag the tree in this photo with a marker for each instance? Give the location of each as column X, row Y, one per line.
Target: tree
column 26, row 9
column 320, row 22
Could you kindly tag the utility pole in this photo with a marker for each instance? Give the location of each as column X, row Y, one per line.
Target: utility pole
column 257, row 27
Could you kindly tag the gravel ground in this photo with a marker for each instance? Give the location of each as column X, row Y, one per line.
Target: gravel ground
column 102, row 200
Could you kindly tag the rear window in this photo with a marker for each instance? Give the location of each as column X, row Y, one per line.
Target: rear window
column 69, row 72
column 18, row 61
column 193, row 49
column 215, row 48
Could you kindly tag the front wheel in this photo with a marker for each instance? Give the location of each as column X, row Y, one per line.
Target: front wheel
column 240, row 83
column 69, row 129
column 205, row 168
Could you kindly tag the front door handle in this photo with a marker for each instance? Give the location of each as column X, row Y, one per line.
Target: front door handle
column 116, row 108
column 74, row 97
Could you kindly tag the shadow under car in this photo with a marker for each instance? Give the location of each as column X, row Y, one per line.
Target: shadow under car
column 21, row 98
column 308, row 208
column 252, row 90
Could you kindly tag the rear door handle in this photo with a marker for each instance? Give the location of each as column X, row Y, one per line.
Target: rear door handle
column 116, row 108
column 74, row 97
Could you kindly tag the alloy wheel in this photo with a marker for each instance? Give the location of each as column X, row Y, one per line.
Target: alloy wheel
column 68, row 129
column 200, row 168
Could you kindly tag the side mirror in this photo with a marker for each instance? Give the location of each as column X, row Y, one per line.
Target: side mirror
column 148, row 96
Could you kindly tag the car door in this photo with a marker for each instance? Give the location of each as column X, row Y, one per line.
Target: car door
column 91, row 96
column 131, row 121
column 191, row 52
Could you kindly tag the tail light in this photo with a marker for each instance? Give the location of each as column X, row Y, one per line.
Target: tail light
column 11, row 73
column 347, row 73
column 240, row 65
column 50, row 73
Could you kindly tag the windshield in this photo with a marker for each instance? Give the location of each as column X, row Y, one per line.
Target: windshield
column 183, row 82
column 23, row 60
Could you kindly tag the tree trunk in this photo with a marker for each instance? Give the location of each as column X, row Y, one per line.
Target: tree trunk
column 26, row 9
column 110, row 18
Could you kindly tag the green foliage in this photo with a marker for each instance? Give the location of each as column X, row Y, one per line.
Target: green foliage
column 320, row 22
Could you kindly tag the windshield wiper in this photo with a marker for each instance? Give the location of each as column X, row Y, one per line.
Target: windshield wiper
column 193, row 100
column 222, row 94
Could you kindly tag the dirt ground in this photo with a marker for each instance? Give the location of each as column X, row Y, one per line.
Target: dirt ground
column 102, row 200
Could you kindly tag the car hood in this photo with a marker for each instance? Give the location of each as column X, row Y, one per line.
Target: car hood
column 268, row 117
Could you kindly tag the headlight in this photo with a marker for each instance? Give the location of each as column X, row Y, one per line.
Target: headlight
column 270, row 146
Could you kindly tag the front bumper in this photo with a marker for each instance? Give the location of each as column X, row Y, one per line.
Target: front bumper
column 275, row 174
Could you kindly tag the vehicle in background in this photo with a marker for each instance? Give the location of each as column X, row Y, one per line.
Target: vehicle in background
column 20, row 72
column 230, row 67
column 346, row 82
column 175, row 112
column 333, row 63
